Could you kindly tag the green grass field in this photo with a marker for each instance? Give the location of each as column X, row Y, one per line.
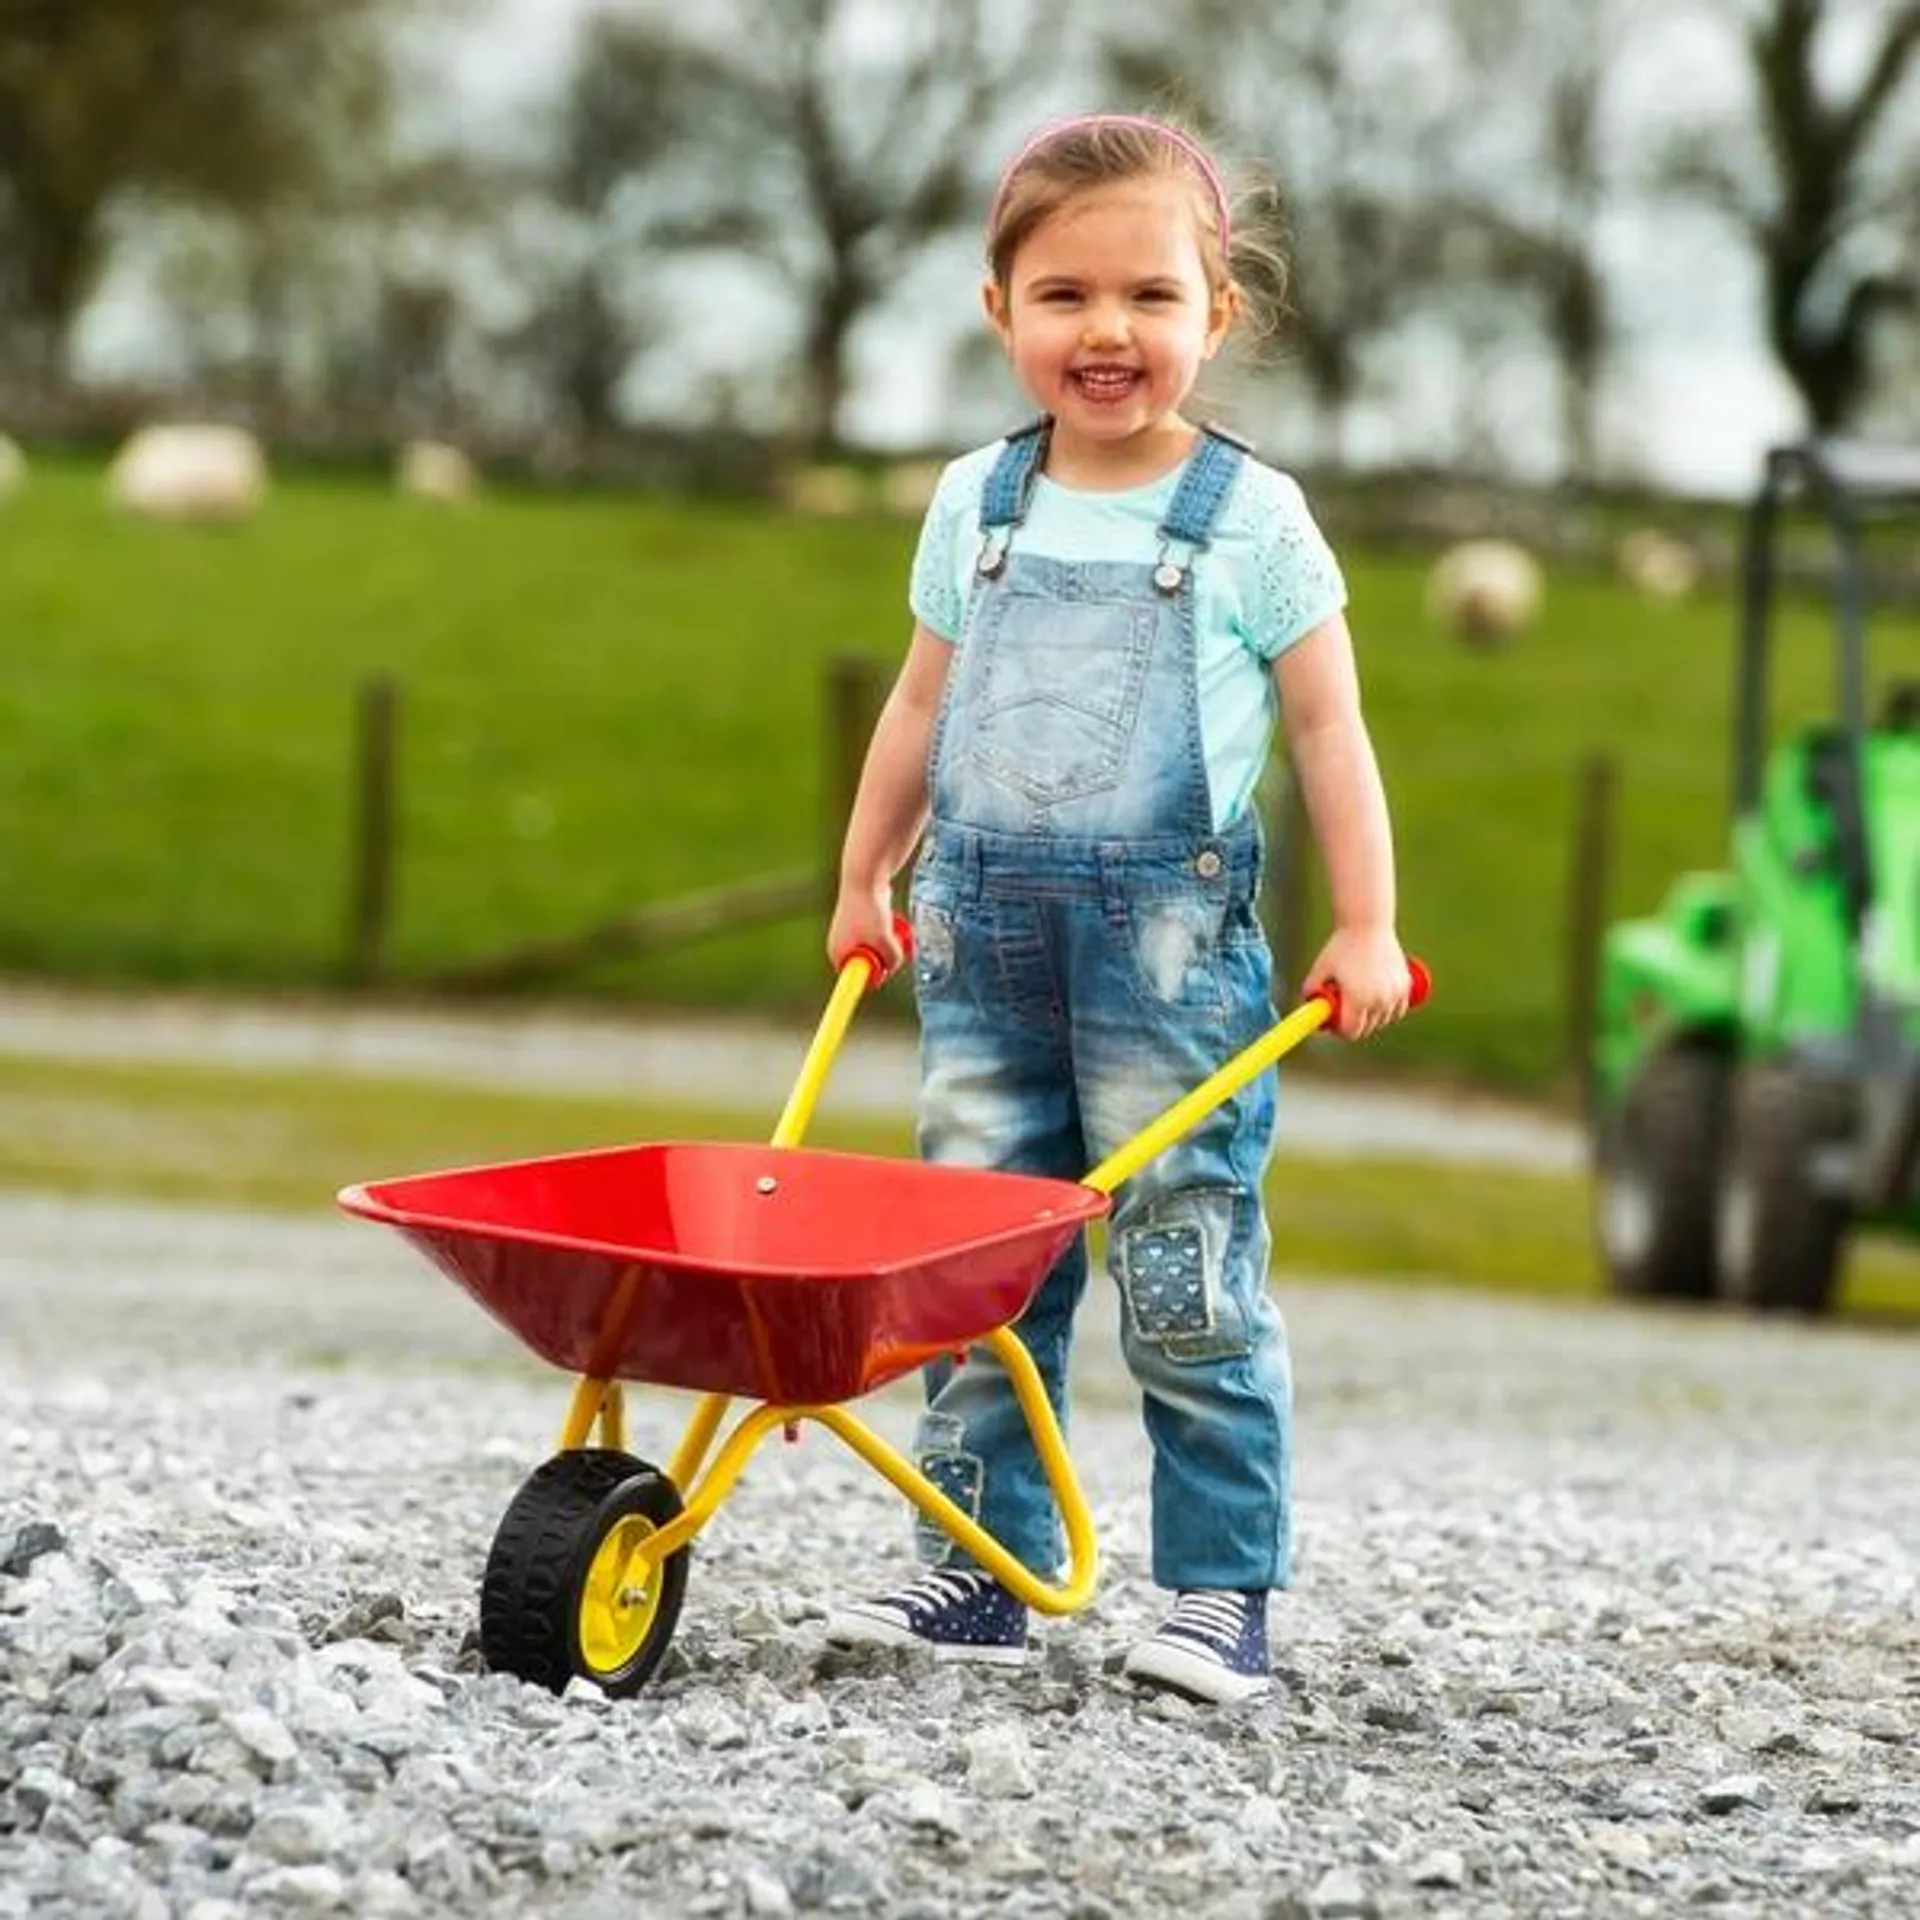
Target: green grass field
column 610, row 700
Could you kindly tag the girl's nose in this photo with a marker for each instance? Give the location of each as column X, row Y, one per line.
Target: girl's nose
column 1105, row 325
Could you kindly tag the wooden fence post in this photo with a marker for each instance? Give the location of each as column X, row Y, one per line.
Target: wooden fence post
column 370, row 900
column 1590, row 864
column 855, row 692
column 1286, row 899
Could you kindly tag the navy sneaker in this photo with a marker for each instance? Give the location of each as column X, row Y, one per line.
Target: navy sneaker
column 1212, row 1646
column 961, row 1613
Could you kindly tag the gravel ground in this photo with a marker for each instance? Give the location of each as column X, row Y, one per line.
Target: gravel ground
column 1598, row 1612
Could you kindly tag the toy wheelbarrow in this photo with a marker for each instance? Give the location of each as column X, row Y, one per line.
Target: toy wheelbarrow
column 792, row 1277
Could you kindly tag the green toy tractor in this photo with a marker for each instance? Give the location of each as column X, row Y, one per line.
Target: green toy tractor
column 1755, row 1076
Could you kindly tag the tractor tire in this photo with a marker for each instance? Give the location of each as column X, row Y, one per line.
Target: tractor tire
column 1780, row 1238
column 1656, row 1175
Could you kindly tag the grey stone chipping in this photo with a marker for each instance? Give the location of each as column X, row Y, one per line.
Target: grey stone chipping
column 1598, row 1612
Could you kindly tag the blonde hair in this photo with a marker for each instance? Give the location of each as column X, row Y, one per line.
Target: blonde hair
column 1240, row 242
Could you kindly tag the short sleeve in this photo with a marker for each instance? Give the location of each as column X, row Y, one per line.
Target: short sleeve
column 1299, row 582
column 935, row 592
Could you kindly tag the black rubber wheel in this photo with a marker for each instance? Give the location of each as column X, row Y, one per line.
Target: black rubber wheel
column 1656, row 1176
column 1780, row 1235
column 545, row 1614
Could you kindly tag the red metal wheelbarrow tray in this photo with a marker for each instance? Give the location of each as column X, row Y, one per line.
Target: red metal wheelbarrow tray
column 786, row 1274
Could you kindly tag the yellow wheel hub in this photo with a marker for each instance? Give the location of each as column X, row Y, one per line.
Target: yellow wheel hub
column 620, row 1597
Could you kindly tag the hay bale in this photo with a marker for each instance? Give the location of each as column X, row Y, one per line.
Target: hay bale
column 200, row 473
column 436, row 470
column 907, row 487
column 1484, row 591
column 825, row 492
column 1657, row 564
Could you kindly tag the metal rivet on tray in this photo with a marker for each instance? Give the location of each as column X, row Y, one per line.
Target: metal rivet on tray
column 766, row 1184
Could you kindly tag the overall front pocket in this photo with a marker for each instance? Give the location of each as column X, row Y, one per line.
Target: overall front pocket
column 1057, row 693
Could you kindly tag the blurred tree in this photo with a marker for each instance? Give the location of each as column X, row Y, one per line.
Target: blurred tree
column 1825, row 187
column 1358, row 106
column 229, row 103
column 346, row 311
column 586, row 319
column 576, row 344
column 1572, row 286
column 825, row 141
column 1548, row 181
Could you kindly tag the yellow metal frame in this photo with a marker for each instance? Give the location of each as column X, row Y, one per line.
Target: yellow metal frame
column 704, row 1494
column 600, row 1401
column 616, row 1616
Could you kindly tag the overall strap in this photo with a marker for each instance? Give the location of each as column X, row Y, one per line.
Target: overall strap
column 1008, row 491
column 1197, row 501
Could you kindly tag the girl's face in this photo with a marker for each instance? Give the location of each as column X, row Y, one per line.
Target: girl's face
column 1107, row 317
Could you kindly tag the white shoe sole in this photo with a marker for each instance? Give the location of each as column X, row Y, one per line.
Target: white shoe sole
column 855, row 1629
column 1156, row 1664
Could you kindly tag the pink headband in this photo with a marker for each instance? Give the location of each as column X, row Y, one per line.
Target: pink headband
column 1136, row 122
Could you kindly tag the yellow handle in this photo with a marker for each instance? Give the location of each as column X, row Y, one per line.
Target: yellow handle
column 1187, row 1112
column 847, row 991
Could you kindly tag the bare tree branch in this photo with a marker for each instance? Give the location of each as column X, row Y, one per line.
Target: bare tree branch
column 1824, row 227
column 834, row 161
column 238, row 104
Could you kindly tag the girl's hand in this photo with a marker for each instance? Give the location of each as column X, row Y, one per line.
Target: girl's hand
column 1366, row 964
column 863, row 917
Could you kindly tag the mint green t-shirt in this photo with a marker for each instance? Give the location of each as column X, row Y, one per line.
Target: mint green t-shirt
column 1268, row 579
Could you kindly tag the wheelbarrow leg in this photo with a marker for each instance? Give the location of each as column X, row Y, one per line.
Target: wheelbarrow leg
column 594, row 1400
column 1067, row 1596
column 1083, row 1557
column 692, row 1450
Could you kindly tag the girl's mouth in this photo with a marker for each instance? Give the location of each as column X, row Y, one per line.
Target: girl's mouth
column 1105, row 383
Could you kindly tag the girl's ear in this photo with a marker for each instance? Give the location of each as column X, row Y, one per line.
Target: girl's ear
column 993, row 298
column 1228, row 302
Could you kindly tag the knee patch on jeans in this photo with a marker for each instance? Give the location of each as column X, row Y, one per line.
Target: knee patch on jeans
column 1169, row 1264
column 1177, row 946
column 933, row 943
column 942, row 1458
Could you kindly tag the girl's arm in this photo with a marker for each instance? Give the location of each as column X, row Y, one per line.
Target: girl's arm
column 1332, row 758
column 890, row 806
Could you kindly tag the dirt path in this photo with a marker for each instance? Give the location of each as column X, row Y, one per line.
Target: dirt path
column 748, row 1061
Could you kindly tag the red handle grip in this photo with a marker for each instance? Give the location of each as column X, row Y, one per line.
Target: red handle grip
column 1420, row 977
column 878, row 964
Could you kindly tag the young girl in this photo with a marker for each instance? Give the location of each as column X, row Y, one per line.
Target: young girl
column 1109, row 607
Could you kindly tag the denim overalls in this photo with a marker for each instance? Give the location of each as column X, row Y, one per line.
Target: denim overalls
column 1087, row 952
